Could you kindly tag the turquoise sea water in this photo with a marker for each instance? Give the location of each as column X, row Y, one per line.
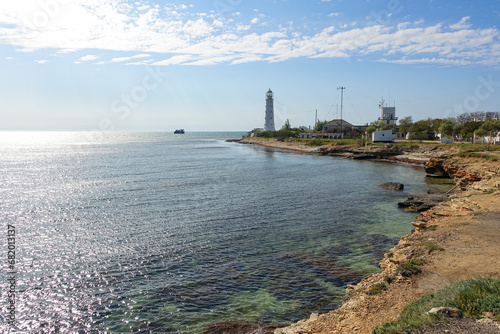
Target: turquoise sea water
column 156, row 232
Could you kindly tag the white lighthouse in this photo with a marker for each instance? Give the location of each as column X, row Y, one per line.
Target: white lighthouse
column 269, row 125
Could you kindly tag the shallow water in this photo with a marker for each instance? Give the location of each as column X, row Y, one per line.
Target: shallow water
column 124, row 232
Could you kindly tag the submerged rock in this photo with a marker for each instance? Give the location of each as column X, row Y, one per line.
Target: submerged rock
column 325, row 265
column 392, row 186
column 422, row 202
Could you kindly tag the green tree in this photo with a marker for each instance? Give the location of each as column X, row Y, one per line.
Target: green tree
column 405, row 124
column 371, row 129
column 381, row 125
column 420, row 135
column 422, row 130
column 447, row 126
column 492, row 126
column 318, row 127
column 421, row 126
column 286, row 126
column 468, row 128
column 392, row 127
column 434, row 124
column 377, row 124
column 481, row 132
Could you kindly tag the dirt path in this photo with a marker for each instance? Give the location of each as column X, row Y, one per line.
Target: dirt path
column 473, row 250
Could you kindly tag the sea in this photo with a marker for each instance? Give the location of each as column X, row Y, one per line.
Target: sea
column 155, row 232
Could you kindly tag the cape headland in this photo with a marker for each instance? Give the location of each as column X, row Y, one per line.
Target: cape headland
column 453, row 240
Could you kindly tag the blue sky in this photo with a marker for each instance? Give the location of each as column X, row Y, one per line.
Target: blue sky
column 206, row 65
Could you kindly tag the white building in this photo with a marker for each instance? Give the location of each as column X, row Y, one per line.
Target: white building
column 269, row 124
column 487, row 140
column 388, row 114
column 384, row 136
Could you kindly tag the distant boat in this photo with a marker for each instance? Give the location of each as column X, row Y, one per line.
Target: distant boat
column 179, row 132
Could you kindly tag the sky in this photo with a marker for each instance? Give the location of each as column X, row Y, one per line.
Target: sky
column 205, row 65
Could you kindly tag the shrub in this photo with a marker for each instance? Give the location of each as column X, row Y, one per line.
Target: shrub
column 279, row 134
column 376, row 288
column 361, row 142
column 431, row 246
column 478, row 296
column 315, row 142
column 410, row 267
column 472, row 297
column 492, row 304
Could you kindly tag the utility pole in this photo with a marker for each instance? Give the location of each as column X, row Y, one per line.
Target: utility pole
column 316, row 118
column 341, row 105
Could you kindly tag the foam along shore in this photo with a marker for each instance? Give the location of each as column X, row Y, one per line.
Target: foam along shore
column 453, row 241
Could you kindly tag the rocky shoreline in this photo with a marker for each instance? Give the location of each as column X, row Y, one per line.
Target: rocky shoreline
column 455, row 238
column 413, row 153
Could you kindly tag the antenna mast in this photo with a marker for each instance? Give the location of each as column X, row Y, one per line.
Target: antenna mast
column 341, row 105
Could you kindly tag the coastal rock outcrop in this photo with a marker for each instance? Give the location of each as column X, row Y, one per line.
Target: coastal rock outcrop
column 434, row 168
column 422, row 202
column 392, row 186
column 462, row 175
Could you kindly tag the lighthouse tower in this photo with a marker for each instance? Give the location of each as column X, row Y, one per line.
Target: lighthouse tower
column 269, row 125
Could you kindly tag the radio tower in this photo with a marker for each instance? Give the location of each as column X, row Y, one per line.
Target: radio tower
column 341, row 105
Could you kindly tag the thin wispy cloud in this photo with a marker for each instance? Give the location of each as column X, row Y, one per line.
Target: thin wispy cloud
column 89, row 58
column 462, row 24
column 122, row 59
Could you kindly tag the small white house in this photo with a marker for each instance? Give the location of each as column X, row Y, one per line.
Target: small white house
column 384, row 136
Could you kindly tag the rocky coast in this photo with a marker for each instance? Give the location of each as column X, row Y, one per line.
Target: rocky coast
column 411, row 153
column 455, row 238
